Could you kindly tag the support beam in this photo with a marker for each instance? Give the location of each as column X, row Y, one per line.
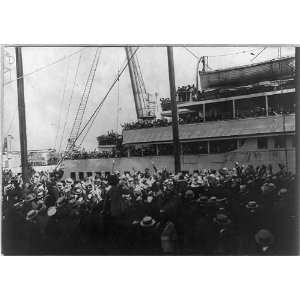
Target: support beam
column 176, row 145
column 22, row 114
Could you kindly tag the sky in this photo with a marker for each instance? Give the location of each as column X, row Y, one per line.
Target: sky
column 45, row 81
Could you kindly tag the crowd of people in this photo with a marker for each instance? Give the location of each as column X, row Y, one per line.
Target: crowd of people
column 94, row 154
column 197, row 117
column 238, row 211
column 139, row 124
column 111, row 138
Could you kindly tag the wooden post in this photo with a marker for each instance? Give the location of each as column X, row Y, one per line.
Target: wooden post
column 2, row 114
column 203, row 112
column 296, row 197
column 176, row 146
column 22, row 114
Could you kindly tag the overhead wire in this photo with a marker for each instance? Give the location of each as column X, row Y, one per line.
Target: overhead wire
column 70, row 100
column 92, row 118
column 46, row 66
column 11, row 122
column 219, row 55
column 62, row 100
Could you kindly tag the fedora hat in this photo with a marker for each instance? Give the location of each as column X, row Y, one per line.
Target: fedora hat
column 31, row 214
column 264, row 237
column 147, row 222
column 51, row 211
column 222, row 219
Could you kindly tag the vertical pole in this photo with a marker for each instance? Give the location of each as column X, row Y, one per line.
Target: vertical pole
column 233, row 109
column 203, row 112
column 296, row 197
column 176, row 146
column 267, row 106
column 1, row 117
column 22, row 114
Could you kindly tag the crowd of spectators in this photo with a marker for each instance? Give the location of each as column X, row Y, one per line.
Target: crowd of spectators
column 243, row 210
column 210, row 115
column 111, row 138
column 146, row 124
column 95, row 154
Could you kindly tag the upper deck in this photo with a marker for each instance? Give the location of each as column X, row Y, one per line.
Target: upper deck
column 260, row 126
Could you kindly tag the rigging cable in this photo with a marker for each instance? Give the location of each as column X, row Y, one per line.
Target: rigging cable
column 118, row 78
column 72, row 92
column 84, row 99
column 118, row 101
column 92, row 118
column 62, row 100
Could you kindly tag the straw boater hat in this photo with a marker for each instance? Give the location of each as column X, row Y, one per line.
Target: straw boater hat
column 222, row 219
column 212, row 201
column 243, row 188
column 202, row 200
column 51, row 211
column 147, row 222
column 221, row 201
column 69, row 180
column 30, row 197
column 189, row 194
column 78, row 191
column 252, row 205
column 40, row 195
column 61, row 201
column 264, row 238
column 31, row 214
column 268, row 188
column 282, row 192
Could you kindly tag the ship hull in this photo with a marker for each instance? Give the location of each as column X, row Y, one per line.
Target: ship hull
column 188, row 162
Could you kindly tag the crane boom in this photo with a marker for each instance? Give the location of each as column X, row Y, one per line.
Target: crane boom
column 83, row 102
column 144, row 106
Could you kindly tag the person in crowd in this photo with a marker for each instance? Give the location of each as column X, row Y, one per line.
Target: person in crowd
column 209, row 212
